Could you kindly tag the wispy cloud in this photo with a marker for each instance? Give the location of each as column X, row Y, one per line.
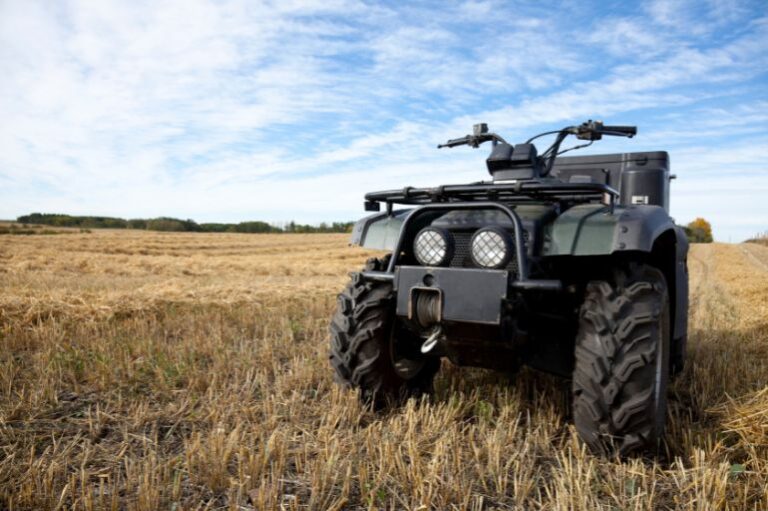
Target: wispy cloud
column 278, row 110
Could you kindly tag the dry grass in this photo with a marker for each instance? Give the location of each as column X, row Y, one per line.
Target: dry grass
column 761, row 239
column 189, row 371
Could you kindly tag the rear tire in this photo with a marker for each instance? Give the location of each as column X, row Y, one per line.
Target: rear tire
column 622, row 362
column 365, row 351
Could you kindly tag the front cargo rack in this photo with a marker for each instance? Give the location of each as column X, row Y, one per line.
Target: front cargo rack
column 488, row 196
column 521, row 191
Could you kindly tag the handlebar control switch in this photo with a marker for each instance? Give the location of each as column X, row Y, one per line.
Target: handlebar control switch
column 590, row 130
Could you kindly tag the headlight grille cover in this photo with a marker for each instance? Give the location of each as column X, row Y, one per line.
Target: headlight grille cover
column 433, row 246
column 491, row 247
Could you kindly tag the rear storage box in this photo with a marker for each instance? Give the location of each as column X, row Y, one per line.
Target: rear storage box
column 640, row 178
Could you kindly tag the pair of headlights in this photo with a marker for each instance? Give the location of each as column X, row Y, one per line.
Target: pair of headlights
column 490, row 247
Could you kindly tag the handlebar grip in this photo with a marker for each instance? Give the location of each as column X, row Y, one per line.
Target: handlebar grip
column 629, row 131
column 454, row 142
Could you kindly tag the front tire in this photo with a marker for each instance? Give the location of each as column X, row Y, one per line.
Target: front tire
column 367, row 347
column 622, row 362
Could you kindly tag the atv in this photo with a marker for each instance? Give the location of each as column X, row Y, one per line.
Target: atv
column 570, row 265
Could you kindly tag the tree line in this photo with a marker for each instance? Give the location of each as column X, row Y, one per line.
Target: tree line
column 699, row 231
column 169, row 224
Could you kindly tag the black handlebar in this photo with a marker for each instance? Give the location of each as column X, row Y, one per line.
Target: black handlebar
column 629, row 131
column 473, row 140
column 454, row 142
column 594, row 130
column 590, row 130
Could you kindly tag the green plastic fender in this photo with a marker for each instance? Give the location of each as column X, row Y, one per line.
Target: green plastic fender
column 379, row 231
column 593, row 229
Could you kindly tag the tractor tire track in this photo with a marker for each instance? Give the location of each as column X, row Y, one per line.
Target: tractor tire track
column 710, row 299
column 747, row 250
column 695, row 291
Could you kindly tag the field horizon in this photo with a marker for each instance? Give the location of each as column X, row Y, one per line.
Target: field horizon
column 145, row 370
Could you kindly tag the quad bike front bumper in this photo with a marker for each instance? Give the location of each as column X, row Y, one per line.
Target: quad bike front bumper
column 466, row 295
column 463, row 295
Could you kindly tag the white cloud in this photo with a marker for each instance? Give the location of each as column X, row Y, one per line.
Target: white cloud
column 629, row 37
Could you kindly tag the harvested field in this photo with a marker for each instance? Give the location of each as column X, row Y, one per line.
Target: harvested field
column 189, row 371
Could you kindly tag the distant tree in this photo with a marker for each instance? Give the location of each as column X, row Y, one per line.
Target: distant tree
column 699, row 231
column 214, row 227
column 99, row 222
column 175, row 224
column 171, row 224
column 256, row 226
column 342, row 226
column 322, row 227
column 73, row 221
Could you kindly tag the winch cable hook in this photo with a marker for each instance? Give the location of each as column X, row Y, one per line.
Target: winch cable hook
column 432, row 340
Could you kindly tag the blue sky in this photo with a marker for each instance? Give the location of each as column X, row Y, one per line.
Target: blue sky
column 238, row 110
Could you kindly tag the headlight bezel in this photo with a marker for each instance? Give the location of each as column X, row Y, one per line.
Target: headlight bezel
column 448, row 250
column 504, row 237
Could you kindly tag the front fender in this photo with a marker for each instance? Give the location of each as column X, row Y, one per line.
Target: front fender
column 379, row 231
column 592, row 229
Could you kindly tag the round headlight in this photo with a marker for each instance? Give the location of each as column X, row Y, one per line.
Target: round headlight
column 433, row 246
column 491, row 248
